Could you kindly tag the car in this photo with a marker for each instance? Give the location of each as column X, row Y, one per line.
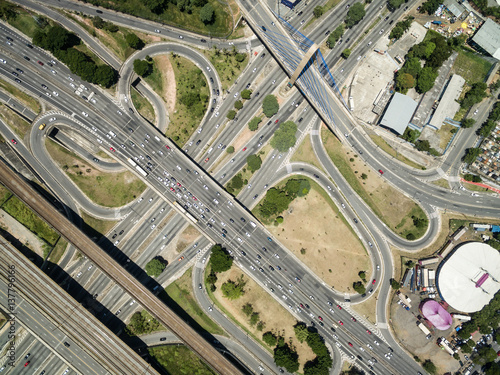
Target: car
column 14, row 141
column 153, row 226
column 181, row 37
column 20, row 70
column 112, row 149
column 254, row 70
column 297, row 279
column 27, row 363
column 359, row 58
column 207, row 159
column 79, row 274
column 244, row 149
column 203, row 40
column 341, row 323
column 350, row 344
column 376, row 342
column 320, row 318
column 157, row 31
column 368, row 331
column 380, row 171
column 381, row 31
column 25, row 57
column 53, row 71
column 374, row 281
column 276, row 121
column 66, row 344
column 353, row 319
column 181, row 258
column 269, row 239
column 236, row 95
column 40, row 63
column 85, row 114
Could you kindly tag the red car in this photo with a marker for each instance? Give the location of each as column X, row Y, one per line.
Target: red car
column 353, row 319
column 320, row 318
column 374, row 281
column 172, row 189
column 41, row 63
column 181, row 258
column 14, row 141
column 301, row 305
column 27, row 363
column 179, row 184
column 168, row 147
column 195, row 198
column 112, row 149
column 276, row 121
column 340, row 307
column 207, row 159
column 341, row 323
column 244, row 148
column 381, row 171
column 368, row 331
column 350, row 344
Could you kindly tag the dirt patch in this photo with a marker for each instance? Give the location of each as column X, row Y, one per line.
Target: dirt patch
column 243, row 137
column 323, row 241
column 24, row 235
column 276, row 318
column 187, row 236
column 169, row 86
column 367, row 309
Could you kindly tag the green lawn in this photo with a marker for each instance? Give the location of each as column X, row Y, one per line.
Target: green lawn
column 25, row 21
column 226, row 65
column 4, row 194
column 181, row 292
column 143, row 105
column 104, row 188
column 21, row 96
column 155, row 78
column 96, row 227
column 472, row 67
column 179, row 360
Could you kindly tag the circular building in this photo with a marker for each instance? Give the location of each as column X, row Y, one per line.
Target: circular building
column 470, row 277
column 436, row 314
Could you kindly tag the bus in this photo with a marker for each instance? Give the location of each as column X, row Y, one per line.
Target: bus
column 132, row 162
column 185, row 212
column 141, row 171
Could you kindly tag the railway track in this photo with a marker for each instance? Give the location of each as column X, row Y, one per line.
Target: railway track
column 140, row 293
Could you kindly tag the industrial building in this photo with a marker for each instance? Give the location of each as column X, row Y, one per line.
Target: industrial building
column 469, row 278
column 398, row 114
column 487, row 38
column 448, row 104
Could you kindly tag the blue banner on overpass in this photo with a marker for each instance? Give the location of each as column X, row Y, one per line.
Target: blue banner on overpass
column 290, row 4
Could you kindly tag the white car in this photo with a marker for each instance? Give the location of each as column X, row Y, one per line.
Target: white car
column 254, row 70
column 157, row 31
column 208, row 68
column 3, row 61
column 85, row 114
column 55, row 93
column 381, row 31
column 236, row 95
column 181, row 37
column 52, row 119
column 53, row 71
column 217, row 115
column 79, row 274
column 359, row 58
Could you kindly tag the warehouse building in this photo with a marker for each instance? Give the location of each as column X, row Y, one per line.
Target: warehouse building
column 398, row 114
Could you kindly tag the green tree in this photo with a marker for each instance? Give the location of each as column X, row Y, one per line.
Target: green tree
column 471, row 154
column 269, row 338
column 284, row 137
column 105, row 76
column 7, row 11
column 232, row 290
column 275, row 202
column 142, row 67
column 207, row 14
column 285, row 357
column 134, row 41
column 334, row 36
column 355, row 14
column 246, row 94
column 247, row 309
column 270, row 106
column 425, row 79
column 301, row 331
column 238, row 104
column 362, row 275
column 211, row 277
column 346, row 53
column 254, row 318
column 394, row 4
column 220, row 260
column 404, row 81
column 474, row 95
column 430, row 6
column 98, row 22
column 155, row 6
column 359, row 287
column 231, row 114
column 484, row 355
column 468, row 122
column 142, row 323
column 254, row 162
column 410, row 135
column 237, row 182
column 423, row 145
column 395, row 284
column 230, row 149
column 318, row 11
column 397, row 32
column 429, row 366
column 240, row 57
column 155, row 267
column 253, row 125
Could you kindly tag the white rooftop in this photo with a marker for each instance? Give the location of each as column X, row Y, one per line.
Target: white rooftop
column 470, row 277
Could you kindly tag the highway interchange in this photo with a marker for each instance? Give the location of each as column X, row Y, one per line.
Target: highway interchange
column 94, row 120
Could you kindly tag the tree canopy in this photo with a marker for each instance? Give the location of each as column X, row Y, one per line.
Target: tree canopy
column 253, row 125
column 155, row 267
column 134, row 41
column 270, row 105
column 142, row 67
column 254, row 162
column 475, row 95
column 355, row 14
column 334, row 36
column 246, row 94
column 284, row 137
column 285, row 357
column 232, row 290
column 220, row 260
column 318, row 11
column 346, row 53
column 207, row 14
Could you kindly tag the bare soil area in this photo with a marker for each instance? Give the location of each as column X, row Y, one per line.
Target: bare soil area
column 316, row 233
column 186, row 237
column 169, row 85
column 276, row 318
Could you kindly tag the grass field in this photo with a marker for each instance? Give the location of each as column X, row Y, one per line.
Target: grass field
column 17, row 209
column 103, row 188
column 445, row 135
column 155, row 78
column 472, row 67
column 305, row 153
column 383, row 145
column 20, row 126
column 21, row 96
column 25, row 21
column 4, row 194
column 181, row 291
column 171, row 15
column 391, row 206
column 58, row 250
column 226, row 65
column 184, row 120
column 179, row 360
column 143, row 106
column 441, row 182
column 275, row 317
column 319, row 235
column 96, row 227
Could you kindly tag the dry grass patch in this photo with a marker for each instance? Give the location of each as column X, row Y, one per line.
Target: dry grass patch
column 276, row 318
column 316, row 232
column 383, row 145
column 21, row 96
column 20, row 126
column 390, row 205
column 445, row 134
column 143, row 106
column 442, row 182
column 103, row 188
column 367, row 308
column 305, row 153
column 186, row 238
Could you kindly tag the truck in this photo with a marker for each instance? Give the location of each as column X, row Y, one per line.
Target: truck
column 436, row 22
column 351, row 103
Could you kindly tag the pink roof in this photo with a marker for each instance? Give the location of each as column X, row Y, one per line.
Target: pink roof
column 436, row 314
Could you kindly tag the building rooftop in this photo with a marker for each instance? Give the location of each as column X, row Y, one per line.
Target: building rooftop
column 488, row 38
column 448, row 104
column 470, row 277
column 399, row 112
column 436, row 314
column 454, row 7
